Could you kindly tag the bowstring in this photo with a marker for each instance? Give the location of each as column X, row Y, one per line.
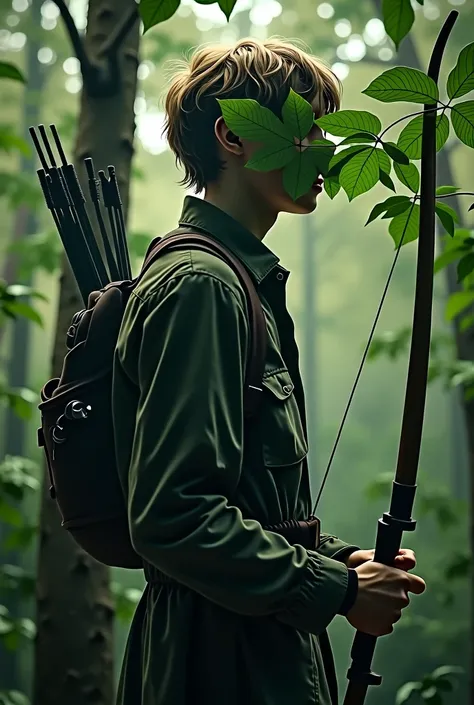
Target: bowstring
column 362, row 362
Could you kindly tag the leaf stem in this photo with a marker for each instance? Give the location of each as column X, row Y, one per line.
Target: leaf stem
column 405, row 117
column 450, row 195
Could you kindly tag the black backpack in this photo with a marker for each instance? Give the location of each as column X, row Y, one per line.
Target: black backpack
column 76, row 411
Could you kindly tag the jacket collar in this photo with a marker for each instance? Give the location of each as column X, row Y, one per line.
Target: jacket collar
column 256, row 256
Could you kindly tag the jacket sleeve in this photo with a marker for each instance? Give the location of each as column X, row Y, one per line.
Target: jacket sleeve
column 186, row 464
column 332, row 547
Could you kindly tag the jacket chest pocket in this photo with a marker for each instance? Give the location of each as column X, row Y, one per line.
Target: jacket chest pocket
column 283, row 437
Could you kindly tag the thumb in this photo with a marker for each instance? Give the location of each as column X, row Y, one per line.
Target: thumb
column 416, row 584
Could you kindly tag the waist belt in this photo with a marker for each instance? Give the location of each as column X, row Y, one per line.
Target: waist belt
column 306, row 533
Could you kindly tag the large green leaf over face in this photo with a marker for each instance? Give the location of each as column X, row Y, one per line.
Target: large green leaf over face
column 403, row 84
column 300, row 174
column 404, row 228
column 461, row 78
column 360, row 173
column 153, row 12
column 346, row 123
column 249, row 120
column 462, row 117
column 398, row 18
column 272, row 157
column 297, row 115
column 409, row 140
column 322, row 153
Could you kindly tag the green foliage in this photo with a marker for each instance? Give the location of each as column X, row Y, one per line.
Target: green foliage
column 282, row 140
column 332, row 186
column 447, row 216
column 461, row 78
column 404, row 228
column 398, row 18
column 15, row 579
column 8, row 70
column 11, row 305
column 126, row 600
column 250, row 120
column 19, row 189
column 454, row 248
column 36, row 252
column 431, row 688
column 397, row 155
column 350, row 123
column 297, row 115
column 20, row 400
column 299, row 174
column 403, row 84
column 409, row 140
column 408, row 175
column 13, row 697
column 14, row 631
column 10, row 141
column 462, row 117
column 360, row 174
column 446, row 190
column 386, row 180
column 153, row 12
column 457, row 303
column 387, row 205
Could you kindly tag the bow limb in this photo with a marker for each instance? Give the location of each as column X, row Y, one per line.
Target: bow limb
column 398, row 519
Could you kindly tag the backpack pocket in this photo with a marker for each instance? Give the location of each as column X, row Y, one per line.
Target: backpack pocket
column 283, row 438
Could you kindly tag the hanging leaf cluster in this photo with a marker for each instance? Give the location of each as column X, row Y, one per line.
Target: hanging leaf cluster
column 364, row 157
column 153, row 12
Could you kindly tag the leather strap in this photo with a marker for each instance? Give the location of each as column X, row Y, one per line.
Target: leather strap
column 180, row 239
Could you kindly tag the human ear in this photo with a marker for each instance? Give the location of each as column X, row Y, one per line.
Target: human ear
column 229, row 141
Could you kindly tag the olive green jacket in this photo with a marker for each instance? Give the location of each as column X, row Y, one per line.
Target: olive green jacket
column 232, row 614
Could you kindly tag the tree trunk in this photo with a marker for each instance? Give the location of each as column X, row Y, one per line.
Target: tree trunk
column 25, row 223
column 74, row 662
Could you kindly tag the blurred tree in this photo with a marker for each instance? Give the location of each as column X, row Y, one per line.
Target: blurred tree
column 25, row 224
column 73, row 657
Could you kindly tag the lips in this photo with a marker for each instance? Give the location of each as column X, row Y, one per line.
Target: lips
column 318, row 183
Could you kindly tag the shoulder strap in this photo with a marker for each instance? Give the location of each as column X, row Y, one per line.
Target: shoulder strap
column 258, row 327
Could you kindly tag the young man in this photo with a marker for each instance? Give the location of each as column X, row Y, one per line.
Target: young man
column 233, row 613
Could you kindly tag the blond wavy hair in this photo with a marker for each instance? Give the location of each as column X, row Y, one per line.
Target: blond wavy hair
column 262, row 70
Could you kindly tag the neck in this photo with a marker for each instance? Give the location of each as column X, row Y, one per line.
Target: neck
column 245, row 207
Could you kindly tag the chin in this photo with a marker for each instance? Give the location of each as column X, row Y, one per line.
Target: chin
column 303, row 205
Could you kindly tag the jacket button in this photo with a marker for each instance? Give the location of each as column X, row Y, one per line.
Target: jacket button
column 287, row 388
column 280, row 276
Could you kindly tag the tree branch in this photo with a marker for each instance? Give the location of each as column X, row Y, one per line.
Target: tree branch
column 111, row 46
column 74, row 36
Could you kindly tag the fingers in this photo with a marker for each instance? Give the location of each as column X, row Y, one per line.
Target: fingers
column 405, row 560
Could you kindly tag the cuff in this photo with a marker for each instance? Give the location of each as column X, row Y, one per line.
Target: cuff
column 351, row 594
column 332, row 547
column 320, row 595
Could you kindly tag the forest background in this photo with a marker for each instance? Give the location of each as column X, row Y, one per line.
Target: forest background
column 338, row 269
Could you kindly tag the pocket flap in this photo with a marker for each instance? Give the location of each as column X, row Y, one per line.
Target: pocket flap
column 279, row 384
